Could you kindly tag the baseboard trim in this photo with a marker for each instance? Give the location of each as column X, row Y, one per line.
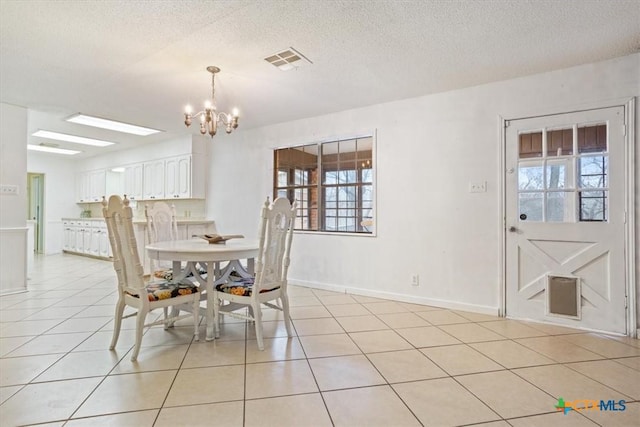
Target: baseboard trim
column 453, row 305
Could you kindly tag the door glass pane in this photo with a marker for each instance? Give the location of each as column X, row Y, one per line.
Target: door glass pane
column 593, row 205
column 560, row 142
column 530, row 176
column 530, row 145
column 592, row 139
column 594, row 171
column 559, row 173
column 531, row 205
column 560, row 206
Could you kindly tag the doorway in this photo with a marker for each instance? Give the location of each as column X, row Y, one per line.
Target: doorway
column 35, row 211
column 565, row 186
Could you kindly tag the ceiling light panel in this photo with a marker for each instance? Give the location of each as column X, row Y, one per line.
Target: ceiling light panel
column 287, row 59
column 98, row 122
column 72, row 138
column 46, row 149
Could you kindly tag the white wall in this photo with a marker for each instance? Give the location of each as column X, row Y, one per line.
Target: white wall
column 13, row 208
column 59, row 194
column 428, row 150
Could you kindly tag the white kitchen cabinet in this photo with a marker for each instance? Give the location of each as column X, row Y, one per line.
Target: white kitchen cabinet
column 94, row 248
column 153, row 181
column 82, row 187
column 68, row 236
column 97, row 185
column 86, row 237
column 178, row 177
column 90, row 186
column 104, row 247
column 85, row 229
column 133, row 177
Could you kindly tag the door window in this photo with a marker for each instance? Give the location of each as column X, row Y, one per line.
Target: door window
column 563, row 174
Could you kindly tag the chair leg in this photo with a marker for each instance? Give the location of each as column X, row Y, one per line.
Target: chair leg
column 284, row 299
column 257, row 317
column 140, row 318
column 167, row 324
column 216, row 314
column 196, row 316
column 117, row 323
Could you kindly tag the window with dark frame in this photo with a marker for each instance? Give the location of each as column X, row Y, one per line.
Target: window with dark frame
column 332, row 183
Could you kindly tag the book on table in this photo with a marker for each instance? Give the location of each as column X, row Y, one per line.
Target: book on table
column 218, row 238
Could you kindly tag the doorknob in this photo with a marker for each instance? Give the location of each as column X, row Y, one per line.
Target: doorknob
column 513, row 229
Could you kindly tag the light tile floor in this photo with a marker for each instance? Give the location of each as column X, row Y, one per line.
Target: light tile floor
column 354, row 361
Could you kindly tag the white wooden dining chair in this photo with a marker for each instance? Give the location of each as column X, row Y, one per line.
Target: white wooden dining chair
column 270, row 281
column 161, row 226
column 132, row 290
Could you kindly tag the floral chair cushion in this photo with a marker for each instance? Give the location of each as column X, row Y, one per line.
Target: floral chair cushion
column 164, row 290
column 241, row 287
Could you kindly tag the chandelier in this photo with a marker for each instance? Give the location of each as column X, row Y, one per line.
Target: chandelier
column 210, row 116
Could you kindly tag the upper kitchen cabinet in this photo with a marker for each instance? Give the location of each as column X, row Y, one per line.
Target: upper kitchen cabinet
column 184, row 178
column 90, row 186
column 173, row 169
column 153, row 181
column 178, row 177
column 133, row 176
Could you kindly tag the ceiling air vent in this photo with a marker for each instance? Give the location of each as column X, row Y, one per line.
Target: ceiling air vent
column 288, row 59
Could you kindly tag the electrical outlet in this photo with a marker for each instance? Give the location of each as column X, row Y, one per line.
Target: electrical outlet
column 11, row 190
column 415, row 280
column 478, row 187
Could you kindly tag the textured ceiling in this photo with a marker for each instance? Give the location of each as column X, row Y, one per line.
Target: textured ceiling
column 142, row 61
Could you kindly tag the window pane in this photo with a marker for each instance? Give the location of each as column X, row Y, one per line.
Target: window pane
column 559, row 142
column 331, row 178
column 560, row 207
column 530, row 145
column 282, row 178
column 531, row 206
column 331, row 224
column 347, row 177
column 592, row 139
column 593, row 171
column 530, row 176
column 559, row 173
column 367, row 175
column 593, row 206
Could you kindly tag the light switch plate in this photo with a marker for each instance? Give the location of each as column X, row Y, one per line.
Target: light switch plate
column 9, row 190
column 478, row 187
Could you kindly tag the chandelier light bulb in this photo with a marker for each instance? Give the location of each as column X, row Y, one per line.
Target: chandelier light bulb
column 188, row 109
column 235, row 112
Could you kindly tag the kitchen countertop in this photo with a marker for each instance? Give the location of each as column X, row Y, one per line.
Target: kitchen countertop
column 179, row 220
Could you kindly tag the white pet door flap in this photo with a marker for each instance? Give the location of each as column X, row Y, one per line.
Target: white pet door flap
column 563, row 297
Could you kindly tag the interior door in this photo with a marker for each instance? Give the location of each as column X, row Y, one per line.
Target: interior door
column 565, row 219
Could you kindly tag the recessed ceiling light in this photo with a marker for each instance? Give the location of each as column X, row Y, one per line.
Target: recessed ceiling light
column 98, row 122
column 118, row 170
column 72, row 138
column 52, row 149
column 287, row 59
